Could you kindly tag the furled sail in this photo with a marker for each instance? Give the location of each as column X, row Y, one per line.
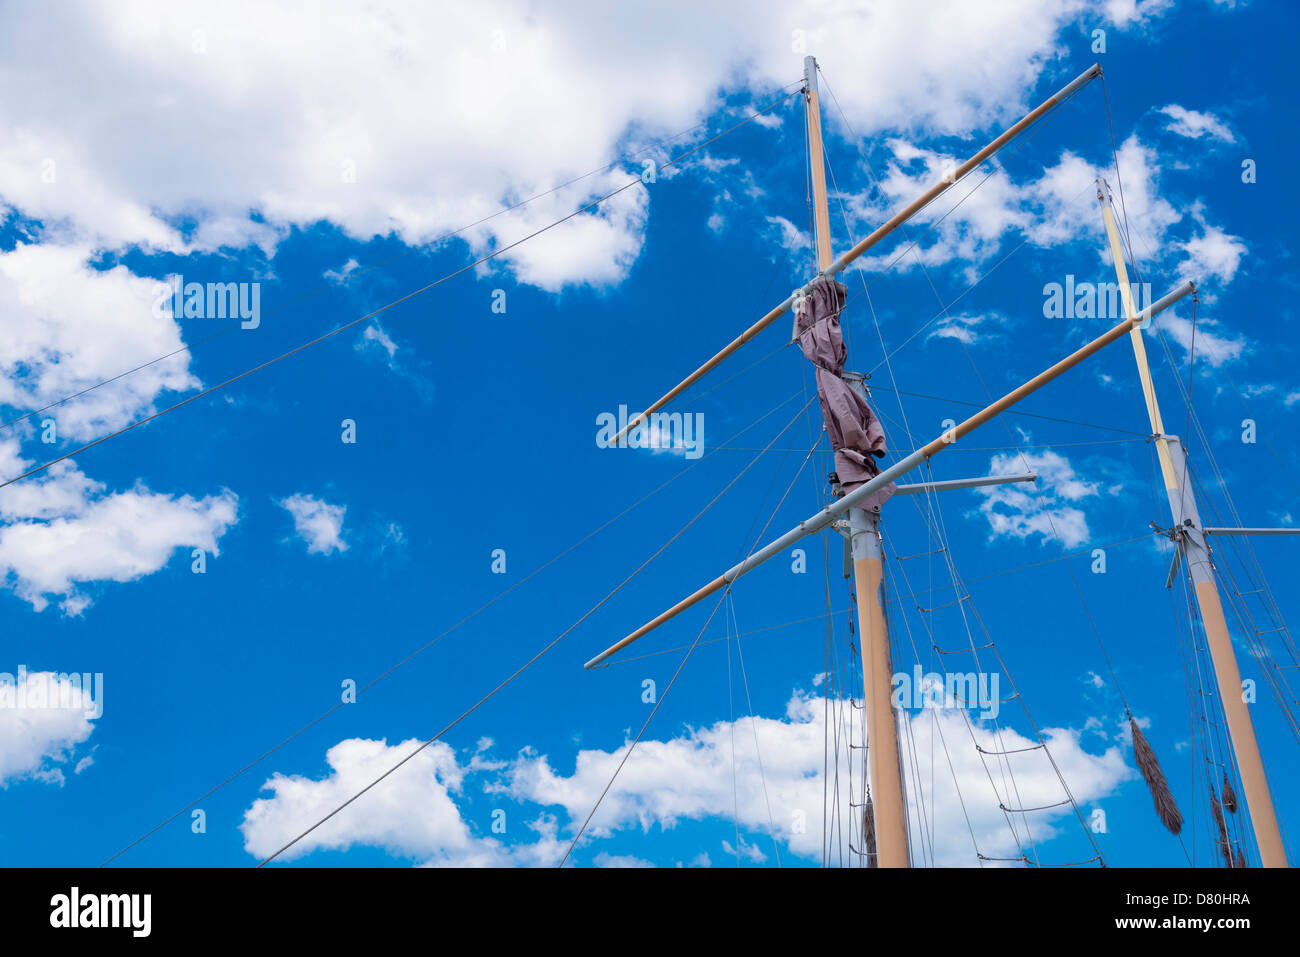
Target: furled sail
column 855, row 433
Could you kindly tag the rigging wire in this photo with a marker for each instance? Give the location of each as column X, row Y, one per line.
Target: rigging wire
column 1263, row 652
column 731, row 724
column 345, row 280
column 914, row 247
column 1005, row 770
column 676, row 674
column 753, row 720
column 531, row 661
column 370, row 315
column 438, row 638
column 621, row 659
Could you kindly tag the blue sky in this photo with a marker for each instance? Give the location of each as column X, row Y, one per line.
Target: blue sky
column 188, row 141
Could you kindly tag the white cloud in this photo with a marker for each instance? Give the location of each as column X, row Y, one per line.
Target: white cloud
column 1146, row 215
column 198, row 112
column 1058, row 208
column 1213, row 346
column 746, row 850
column 38, row 739
column 344, row 272
column 971, row 225
column 964, row 327
column 60, row 531
column 375, row 337
column 689, row 777
column 943, row 231
column 69, row 326
column 1194, row 125
column 1125, row 13
column 317, row 522
column 414, row 813
column 1214, row 254
column 376, row 342
column 1049, row 511
column 789, row 236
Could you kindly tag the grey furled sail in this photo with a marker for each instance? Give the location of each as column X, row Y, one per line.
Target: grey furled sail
column 1147, row 763
column 854, row 431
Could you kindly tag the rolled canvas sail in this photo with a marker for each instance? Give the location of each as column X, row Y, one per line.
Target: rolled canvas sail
column 855, row 433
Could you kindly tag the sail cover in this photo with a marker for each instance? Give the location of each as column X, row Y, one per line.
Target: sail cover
column 853, row 429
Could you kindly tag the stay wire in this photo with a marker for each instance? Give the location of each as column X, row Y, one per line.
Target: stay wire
column 535, row 657
column 345, row 280
column 370, row 315
column 429, row 644
column 676, row 674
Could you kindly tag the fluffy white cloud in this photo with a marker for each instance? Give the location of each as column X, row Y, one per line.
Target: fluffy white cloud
column 376, row 343
column 413, row 813
column 1194, row 125
column 317, row 522
column 192, row 126
column 971, row 225
column 965, row 327
column 374, row 337
column 1214, row 345
column 161, row 113
column 1056, row 209
column 1124, row 13
column 620, row 860
column 60, row 530
column 970, row 233
column 43, row 718
column 1214, row 254
column 69, row 326
column 689, row 777
column 1049, row 511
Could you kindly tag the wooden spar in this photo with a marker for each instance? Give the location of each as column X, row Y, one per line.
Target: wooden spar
column 1191, row 544
column 888, row 803
column 817, row 164
column 848, row 257
column 1139, row 346
column 826, row 516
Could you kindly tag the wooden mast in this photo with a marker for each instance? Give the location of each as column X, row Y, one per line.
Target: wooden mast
column 887, row 801
column 1191, row 543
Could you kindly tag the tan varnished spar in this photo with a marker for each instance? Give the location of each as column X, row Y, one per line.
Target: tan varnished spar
column 887, row 799
column 1191, row 541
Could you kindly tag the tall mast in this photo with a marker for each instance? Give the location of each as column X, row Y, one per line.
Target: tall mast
column 1192, row 547
column 887, row 802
